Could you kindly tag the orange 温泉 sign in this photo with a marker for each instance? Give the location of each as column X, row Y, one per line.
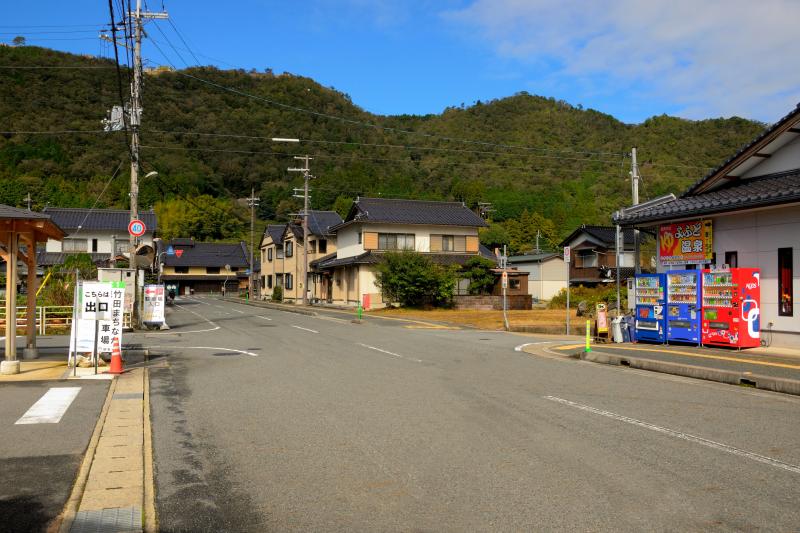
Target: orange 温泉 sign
column 685, row 242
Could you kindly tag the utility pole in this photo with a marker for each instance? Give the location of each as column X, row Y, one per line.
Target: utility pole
column 28, row 200
column 252, row 202
column 484, row 208
column 306, row 176
column 135, row 122
column 635, row 195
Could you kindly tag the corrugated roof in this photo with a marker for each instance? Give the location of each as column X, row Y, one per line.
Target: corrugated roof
column 69, row 219
column 392, row 211
column 764, row 191
column 209, row 254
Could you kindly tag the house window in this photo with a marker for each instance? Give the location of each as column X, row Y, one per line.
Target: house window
column 513, row 283
column 269, row 254
column 181, row 270
column 395, row 241
column 360, row 237
column 587, row 259
column 212, row 270
column 323, row 246
column 312, row 247
column 785, row 279
column 122, row 247
column 278, row 251
column 448, row 243
column 732, row 259
column 269, row 281
column 94, row 245
column 288, row 281
column 289, row 247
column 75, row 245
column 279, row 280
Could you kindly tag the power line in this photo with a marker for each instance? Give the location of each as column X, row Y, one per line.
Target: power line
column 180, row 36
column 77, row 67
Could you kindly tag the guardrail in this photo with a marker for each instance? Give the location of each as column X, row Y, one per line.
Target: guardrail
column 49, row 319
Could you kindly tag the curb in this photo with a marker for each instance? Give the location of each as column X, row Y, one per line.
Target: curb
column 731, row 377
column 277, row 307
column 71, row 507
column 150, row 518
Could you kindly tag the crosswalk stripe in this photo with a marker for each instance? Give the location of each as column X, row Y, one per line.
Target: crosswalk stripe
column 50, row 407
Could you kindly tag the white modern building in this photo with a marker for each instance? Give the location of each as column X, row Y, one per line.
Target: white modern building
column 547, row 273
column 753, row 203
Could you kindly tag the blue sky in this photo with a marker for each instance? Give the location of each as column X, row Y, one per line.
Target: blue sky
column 627, row 58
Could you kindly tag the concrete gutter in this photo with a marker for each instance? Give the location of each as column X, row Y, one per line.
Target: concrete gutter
column 786, row 386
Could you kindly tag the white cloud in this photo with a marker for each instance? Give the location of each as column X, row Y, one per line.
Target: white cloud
column 708, row 57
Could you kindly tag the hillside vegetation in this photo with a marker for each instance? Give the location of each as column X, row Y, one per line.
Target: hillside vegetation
column 571, row 171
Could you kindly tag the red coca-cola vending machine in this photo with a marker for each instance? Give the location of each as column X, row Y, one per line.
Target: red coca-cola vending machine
column 731, row 307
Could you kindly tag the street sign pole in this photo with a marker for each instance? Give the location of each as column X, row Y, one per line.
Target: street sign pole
column 504, row 265
column 567, row 260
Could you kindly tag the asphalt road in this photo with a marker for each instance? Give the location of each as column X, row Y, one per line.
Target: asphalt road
column 39, row 462
column 271, row 421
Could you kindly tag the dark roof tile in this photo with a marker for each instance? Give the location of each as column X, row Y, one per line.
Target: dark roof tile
column 209, row 254
column 394, row 211
column 69, row 218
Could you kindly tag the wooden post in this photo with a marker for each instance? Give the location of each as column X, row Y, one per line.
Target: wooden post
column 30, row 351
column 11, row 296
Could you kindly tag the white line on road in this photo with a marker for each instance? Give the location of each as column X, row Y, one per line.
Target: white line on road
column 207, row 348
column 238, row 311
column 389, row 353
column 263, row 317
column 306, row 329
column 683, row 436
column 50, row 407
column 522, row 346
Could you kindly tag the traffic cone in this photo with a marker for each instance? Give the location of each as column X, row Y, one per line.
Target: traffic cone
column 116, row 358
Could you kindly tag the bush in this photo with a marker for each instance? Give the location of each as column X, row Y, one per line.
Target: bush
column 606, row 293
column 413, row 280
column 479, row 272
column 277, row 294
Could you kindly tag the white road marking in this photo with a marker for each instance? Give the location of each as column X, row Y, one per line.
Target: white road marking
column 306, row 329
column 51, row 407
column 238, row 311
column 334, row 319
column 220, row 306
column 207, row 348
column 388, row 352
column 215, row 328
column 522, row 346
column 680, row 435
column 263, row 317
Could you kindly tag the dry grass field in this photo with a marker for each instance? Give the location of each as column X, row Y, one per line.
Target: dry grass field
column 484, row 319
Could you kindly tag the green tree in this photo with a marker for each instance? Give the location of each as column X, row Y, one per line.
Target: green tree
column 479, row 272
column 19, row 40
column 495, row 236
column 413, row 280
column 203, row 218
column 342, row 205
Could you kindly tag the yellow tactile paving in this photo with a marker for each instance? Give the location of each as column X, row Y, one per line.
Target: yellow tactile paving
column 38, row 371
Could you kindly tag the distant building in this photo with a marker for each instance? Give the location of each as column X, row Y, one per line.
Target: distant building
column 204, row 267
column 547, row 273
column 102, row 233
column 594, row 258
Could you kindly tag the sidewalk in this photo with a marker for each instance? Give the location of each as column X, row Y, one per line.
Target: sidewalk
column 114, row 488
column 775, row 369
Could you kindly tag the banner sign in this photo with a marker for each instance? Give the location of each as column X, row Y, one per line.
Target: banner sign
column 153, row 312
column 685, row 242
column 101, row 302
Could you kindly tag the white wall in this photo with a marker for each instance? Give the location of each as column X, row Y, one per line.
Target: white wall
column 546, row 279
column 786, row 158
column 347, row 238
column 103, row 240
column 756, row 237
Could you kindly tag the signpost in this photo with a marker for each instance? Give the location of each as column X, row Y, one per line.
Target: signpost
column 153, row 313
column 98, row 322
column 504, row 266
column 567, row 258
column 136, row 228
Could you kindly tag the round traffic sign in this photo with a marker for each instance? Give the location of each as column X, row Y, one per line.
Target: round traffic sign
column 136, row 228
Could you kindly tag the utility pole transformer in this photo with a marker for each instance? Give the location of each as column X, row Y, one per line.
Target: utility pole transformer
column 306, row 176
column 252, row 202
column 135, row 122
column 635, row 198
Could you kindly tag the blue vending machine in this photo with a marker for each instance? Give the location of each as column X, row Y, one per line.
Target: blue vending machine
column 683, row 305
column 651, row 302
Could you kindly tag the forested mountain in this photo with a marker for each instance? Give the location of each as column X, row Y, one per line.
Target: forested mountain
column 562, row 164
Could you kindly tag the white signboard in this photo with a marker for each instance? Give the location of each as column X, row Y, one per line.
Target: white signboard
column 567, row 254
column 100, row 302
column 153, row 312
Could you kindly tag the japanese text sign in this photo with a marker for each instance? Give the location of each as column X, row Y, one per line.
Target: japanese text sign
column 685, row 242
column 100, row 301
column 153, row 304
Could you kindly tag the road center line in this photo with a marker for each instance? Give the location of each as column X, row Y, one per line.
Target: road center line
column 388, row 352
column 680, row 435
column 251, row 354
column 238, row 311
column 51, row 407
column 262, row 317
column 305, row 329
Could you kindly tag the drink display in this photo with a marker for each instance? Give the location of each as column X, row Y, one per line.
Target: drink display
column 731, row 300
column 650, row 300
column 683, row 305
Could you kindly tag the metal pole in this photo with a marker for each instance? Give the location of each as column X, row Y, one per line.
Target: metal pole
column 635, row 198
column 616, row 246
column 505, row 276
column 568, row 276
column 305, row 233
column 252, row 239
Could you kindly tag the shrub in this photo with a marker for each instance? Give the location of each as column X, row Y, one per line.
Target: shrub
column 413, row 280
column 606, row 293
column 277, row 293
column 479, row 272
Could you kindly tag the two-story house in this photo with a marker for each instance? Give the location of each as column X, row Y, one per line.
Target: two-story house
column 282, row 256
column 204, row 266
column 102, row 233
column 594, row 254
column 447, row 231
